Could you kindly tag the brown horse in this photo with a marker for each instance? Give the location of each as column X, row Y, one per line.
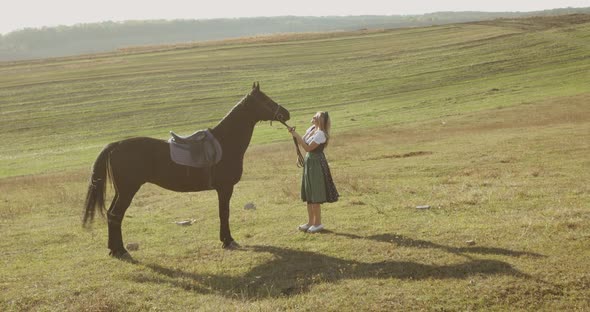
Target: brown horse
column 132, row 162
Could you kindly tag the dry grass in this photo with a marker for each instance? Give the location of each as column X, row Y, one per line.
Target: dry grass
column 486, row 124
column 512, row 189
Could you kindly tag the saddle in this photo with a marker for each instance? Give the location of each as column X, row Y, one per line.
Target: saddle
column 200, row 149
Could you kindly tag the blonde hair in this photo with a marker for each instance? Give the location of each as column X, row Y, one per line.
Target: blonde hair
column 324, row 124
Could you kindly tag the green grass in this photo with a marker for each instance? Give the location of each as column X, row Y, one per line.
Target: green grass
column 488, row 123
column 52, row 110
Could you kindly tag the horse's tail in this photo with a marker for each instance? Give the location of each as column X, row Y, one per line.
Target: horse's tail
column 97, row 186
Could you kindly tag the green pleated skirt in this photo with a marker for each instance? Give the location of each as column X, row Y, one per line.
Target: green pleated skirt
column 317, row 185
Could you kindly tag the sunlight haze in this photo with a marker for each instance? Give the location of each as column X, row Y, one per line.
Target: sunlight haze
column 37, row 13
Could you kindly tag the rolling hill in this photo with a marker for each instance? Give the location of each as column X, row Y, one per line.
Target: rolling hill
column 31, row 43
column 55, row 109
column 487, row 123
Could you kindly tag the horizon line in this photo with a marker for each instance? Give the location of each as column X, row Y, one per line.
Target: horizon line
column 266, row 16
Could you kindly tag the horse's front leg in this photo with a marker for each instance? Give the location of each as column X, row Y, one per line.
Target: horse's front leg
column 224, row 194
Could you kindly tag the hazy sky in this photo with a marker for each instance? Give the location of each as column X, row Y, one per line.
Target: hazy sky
column 18, row 14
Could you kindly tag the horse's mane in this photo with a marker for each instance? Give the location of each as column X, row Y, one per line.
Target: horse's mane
column 236, row 107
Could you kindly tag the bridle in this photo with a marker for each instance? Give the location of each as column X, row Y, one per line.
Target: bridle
column 276, row 115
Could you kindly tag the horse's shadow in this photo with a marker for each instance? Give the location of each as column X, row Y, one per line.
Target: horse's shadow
column 294, row 271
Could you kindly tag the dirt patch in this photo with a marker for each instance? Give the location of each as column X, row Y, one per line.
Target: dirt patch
column 539, row 22
column 551, row 112
column 410, row 154
column 554, row 112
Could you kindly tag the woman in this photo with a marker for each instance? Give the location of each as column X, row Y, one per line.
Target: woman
column 317, row 186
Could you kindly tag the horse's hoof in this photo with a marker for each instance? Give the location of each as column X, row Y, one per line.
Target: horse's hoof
column 231, row 246
column 122, row 255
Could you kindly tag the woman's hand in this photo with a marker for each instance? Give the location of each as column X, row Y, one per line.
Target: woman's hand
column 292, row 131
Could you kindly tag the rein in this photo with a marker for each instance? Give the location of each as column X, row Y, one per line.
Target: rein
column 299, row 156
column 279, row 117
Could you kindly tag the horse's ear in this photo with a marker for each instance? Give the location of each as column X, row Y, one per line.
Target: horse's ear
column 258, row 86
column 253, row 85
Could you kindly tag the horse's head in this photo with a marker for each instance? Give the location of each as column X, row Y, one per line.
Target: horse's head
column 263, row 107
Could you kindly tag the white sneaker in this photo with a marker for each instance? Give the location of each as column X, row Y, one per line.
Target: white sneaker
column 304, row 227
column 315, row 228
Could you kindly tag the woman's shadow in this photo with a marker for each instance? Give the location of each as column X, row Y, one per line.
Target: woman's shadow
column 295, row 271
column 400, row 240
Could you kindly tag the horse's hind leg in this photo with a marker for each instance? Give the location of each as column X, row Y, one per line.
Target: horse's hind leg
column 111, row 219
column 115, row 216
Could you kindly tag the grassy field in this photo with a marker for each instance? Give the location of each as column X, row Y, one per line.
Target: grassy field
column 488, row 123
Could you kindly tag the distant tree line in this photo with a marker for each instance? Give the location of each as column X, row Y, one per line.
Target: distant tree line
column 108, row 36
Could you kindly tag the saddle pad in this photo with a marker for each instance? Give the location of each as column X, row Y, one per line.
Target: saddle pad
column 200, row 149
